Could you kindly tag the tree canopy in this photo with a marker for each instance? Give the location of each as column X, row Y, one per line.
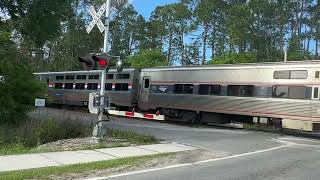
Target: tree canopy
column 19, row 88
column 147, row 58
column 51, row 34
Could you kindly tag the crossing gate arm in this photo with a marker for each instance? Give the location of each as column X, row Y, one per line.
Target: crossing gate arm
column 132, row 114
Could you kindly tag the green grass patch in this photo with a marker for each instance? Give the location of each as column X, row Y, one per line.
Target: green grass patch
column 41, row 173
column 131, row 137
column 250, row 126
column 11, row 149
column 257, row 127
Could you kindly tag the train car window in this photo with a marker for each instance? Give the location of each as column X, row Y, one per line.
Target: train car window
column 215, row 89
column 70, row 77
column 108, row 86
column 59, row 77
column 109, row 76
column 300, row 74
column 123, row 76
column 294, row 74
column 81, row 77
column 204, row 89
column 94, row 76
column 281, row 74
column 297, row 92
column 122, row 87
column 178, row 88
column 80, row 86
column 68, row 86
column 315, row 93
column 58, row 85
column 317, row 75
column 183, row 88
column 240, row 90
column 280, row 91
column 207, row 89
column 146, row 83
column 261, row 91
column 92, row 86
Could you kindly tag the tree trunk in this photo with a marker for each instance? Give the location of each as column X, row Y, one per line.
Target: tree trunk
column 169, row 49
column 183, row 60
column 317, row 41
column 205, row 35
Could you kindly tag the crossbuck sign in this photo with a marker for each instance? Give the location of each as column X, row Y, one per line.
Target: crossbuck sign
column 96, row 18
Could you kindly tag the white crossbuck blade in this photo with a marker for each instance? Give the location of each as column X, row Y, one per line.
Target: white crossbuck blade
column 96, row 18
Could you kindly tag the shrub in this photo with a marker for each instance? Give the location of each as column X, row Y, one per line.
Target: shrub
column 234, row 58
column 148, row 58
column 33, row 133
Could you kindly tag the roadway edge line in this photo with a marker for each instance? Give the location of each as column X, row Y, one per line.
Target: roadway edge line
column 190, row 164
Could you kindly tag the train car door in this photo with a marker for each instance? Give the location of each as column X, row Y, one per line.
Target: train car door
column 145, row 89
column 315, row 92
column 315, row 96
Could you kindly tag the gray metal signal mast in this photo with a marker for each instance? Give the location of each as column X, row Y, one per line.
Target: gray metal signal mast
column 102, row 60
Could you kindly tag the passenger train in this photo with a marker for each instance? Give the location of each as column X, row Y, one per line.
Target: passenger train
column 285, row 94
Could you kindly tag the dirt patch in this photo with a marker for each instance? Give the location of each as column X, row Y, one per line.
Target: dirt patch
column 179, row 158
column 81, row 143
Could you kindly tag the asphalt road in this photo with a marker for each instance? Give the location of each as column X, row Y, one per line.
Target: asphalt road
column 236, row 154
column 226, row 141
column 241, row 155
column 292, row 163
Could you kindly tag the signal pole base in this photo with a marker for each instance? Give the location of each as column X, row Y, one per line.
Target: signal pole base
column 100, row 130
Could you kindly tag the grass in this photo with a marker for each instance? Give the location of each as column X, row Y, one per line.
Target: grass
column 129, row 138
column 42, row 173
column 11, row 149
column 257, row 127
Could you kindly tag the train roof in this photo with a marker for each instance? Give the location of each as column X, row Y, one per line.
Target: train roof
column 265, row 65
column 84, row 72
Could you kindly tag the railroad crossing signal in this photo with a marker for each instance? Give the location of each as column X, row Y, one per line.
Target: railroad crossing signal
column 102, row 59
column 95, row 61
column 96, row 18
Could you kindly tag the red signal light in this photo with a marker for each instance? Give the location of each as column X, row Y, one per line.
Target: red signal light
column 103, row 63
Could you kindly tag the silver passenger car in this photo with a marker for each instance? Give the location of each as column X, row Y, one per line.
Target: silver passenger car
column 286, row 94
column 73, row 87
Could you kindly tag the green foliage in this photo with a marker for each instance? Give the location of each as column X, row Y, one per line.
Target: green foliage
column 51, row 34
column 52, row 130
column 234, row 58
column 37, row 132
column 148, row 58
column 297, row 56
column 20, row 88
column 28, row 136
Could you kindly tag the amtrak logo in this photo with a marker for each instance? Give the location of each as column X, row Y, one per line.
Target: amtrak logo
column 163, row 89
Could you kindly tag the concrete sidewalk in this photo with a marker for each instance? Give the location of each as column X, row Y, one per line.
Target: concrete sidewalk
column 29, row 161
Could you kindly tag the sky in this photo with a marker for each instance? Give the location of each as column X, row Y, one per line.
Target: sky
column 145, row 7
